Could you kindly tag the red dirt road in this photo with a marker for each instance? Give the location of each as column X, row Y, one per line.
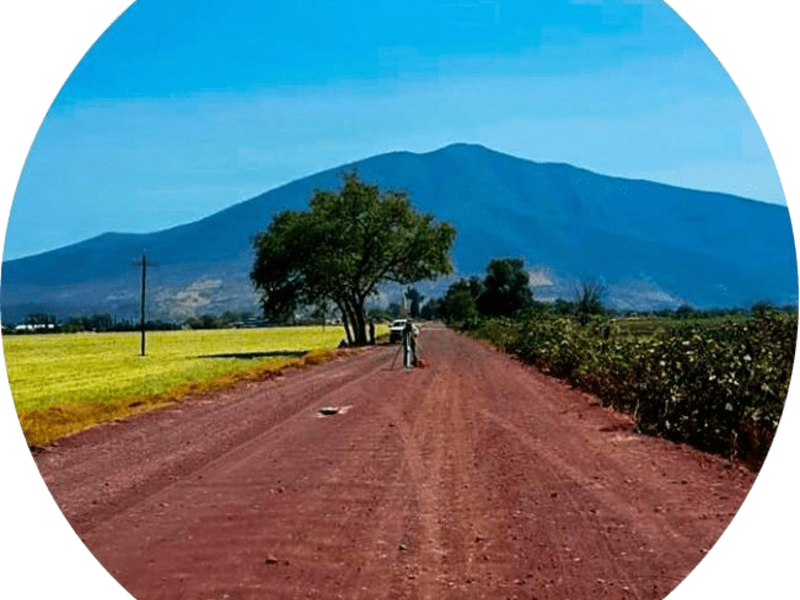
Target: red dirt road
column 476, row 477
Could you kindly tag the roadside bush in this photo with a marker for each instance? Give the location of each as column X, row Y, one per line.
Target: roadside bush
column 718, row 387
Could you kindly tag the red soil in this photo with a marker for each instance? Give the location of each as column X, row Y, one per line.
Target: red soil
column 476, row 477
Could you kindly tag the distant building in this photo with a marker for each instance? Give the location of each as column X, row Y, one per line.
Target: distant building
column 34, row 327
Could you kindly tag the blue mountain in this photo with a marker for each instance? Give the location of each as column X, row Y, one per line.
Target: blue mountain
column 653, row 245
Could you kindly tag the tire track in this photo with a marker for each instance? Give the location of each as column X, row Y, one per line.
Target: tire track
column 473, row 478
column 92, row 481
column 320, row 489
column 617, row 506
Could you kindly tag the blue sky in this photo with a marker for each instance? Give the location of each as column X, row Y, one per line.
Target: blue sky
column 184, row 107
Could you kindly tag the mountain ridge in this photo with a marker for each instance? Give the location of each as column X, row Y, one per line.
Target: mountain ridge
column 700, row 248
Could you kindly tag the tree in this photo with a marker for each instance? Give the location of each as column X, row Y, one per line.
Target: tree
column 415, row 298
column 761, row 307
column 40, row 318
column 430, row 310
column 507, row 288
column 563, row 307
column 234, row 317
column 459, row 304
column 342, row 248
column 461, row 307
column 589, row 299
column 395, row 310
column 323, row 312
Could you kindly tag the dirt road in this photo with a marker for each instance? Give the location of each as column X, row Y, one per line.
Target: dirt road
column 476, row 477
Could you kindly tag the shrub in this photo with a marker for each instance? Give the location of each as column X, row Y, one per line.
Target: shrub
column 718, row 387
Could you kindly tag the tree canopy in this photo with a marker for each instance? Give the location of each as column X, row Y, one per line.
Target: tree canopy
column 343, row 247
column 459, row 304
column 506, row 288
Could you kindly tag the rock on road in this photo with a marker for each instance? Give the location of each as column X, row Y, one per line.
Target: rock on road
column 476, row 477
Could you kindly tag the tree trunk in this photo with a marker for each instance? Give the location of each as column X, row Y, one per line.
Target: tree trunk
column 359, row 321
column 348, row 331
column 353, row 314
column 361, row 327
column 345, row 323
column 353, row 325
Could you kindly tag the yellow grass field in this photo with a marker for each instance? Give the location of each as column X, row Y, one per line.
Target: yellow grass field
column 64, row 383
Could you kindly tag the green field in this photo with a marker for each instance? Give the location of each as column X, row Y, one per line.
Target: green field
column 52, row 370
column 644, row 326
column 64, row 383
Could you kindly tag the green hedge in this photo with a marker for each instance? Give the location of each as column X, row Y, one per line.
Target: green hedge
column 718, row 387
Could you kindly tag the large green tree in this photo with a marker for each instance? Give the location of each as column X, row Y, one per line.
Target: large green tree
column 343, row 247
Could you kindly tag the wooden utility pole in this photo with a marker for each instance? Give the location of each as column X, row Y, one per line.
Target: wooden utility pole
column 143, row 264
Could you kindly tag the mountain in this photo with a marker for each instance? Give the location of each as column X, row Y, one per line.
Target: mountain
column 653, row 245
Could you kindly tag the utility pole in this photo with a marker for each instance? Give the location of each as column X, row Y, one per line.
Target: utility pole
column 143, row 264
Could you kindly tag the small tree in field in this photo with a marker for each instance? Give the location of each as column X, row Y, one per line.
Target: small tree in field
column 589, row 299
column 343, row 247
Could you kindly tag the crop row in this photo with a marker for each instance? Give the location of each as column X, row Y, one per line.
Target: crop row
column 719, row 387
